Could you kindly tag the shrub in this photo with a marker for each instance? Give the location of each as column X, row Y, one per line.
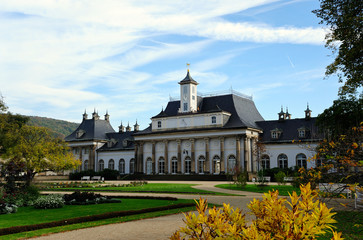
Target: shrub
column 84, row 198
column 49, row 201
column 303, row 217
column 7, row 208
column 279, row 177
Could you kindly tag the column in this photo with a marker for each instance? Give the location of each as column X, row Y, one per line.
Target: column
column 192, row 155
column 223, row 160
column 207, row 160
column 137, row 163
column 166, row 155
column 245, row 153
column 238, row 151
column 179, row 157
column 140, row 157
column 153, row 157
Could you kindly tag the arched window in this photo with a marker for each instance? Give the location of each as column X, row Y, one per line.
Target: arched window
column 214, row 119
column 132, row 166
column 111, row 164
column 85, row 165
column 188, row 165
column 216, row 165
column 174, row 165
column 101, row 165
column 231, row 163
column 201, row 164
column 282, row 161
column 149, row 166
column 121, row 166
column 265, row 162
column 301, row 160
column 161, row 165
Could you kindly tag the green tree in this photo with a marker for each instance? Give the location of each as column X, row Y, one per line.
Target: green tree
column 345, row 21
column 3, row 107
column 340, row 118
column 37, row 151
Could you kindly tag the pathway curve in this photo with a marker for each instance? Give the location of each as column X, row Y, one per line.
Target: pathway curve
column 155, row 228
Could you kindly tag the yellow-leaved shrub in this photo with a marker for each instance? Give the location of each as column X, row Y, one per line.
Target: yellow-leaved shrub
column 303, row 217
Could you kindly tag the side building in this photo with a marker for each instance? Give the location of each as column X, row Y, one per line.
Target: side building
column 197, row 135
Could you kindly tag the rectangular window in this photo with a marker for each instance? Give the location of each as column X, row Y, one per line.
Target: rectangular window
column 185, row 106
column 193, row 97
column 159, row 124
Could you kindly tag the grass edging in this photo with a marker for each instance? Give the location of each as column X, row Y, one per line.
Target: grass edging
column 25, row 228
column 119, row 191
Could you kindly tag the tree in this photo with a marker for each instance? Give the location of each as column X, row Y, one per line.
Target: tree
column 345, row 21
column 303, row 217
column 3, row 107
column 341, row 117
column 37, row 151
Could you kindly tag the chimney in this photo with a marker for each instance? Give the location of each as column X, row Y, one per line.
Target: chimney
column 85, row 115
column 136, row 127
column 121, row 128
column 107, row 117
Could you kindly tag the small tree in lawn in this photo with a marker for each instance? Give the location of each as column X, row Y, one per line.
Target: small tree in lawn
column 37, row 151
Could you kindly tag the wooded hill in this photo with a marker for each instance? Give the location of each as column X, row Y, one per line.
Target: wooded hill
column 59, row 128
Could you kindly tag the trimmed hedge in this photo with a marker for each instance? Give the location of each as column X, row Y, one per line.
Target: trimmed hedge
column 26, row 228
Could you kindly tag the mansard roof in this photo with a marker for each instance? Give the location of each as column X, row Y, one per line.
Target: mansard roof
column 91, row 130
column 289, row 129
column 243, row 110
column 120, row 141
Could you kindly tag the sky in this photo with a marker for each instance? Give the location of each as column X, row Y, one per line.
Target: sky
column 126, row 57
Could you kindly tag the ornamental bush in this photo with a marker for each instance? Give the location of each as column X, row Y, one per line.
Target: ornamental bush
column 303, row 217
column 7, row 208
column 49, row 201
column 280, row 178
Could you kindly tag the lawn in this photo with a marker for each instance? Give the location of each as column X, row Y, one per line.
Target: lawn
column 151, row 187
column 350, row 223
column 30, row 215
column 284, row 190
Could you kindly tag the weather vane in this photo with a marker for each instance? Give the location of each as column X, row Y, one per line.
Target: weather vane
column 188, row 64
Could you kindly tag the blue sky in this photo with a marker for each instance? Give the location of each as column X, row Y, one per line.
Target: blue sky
column 58, row 58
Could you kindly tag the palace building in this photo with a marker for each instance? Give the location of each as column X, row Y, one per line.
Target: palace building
column 197, row 135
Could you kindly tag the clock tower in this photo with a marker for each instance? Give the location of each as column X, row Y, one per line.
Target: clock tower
column 188, row 94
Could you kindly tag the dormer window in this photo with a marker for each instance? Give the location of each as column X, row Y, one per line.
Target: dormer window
column 301, row 133
column 214, row 120
column 276, row 133
column 111, row 143
column 159, row 124
column 80, row 133
column 125, row 142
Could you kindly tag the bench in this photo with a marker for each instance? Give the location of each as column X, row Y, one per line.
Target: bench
column 85, row 178
column 358, row 199
column 289, row 179
column 98, row 178
column 265, row 179
column 335, row 188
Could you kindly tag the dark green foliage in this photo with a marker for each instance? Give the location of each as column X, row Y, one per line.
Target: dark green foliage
column 79, row 196
column 59, row 128
column 345, row 21
column 107, row 174
column 280, row 177
column 341, row 117
column 273, row 171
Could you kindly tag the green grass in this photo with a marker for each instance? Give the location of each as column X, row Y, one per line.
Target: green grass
column 30, row 215
column 284, row 190
column 151, row 187
column 350, row 223
column 93, row 224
